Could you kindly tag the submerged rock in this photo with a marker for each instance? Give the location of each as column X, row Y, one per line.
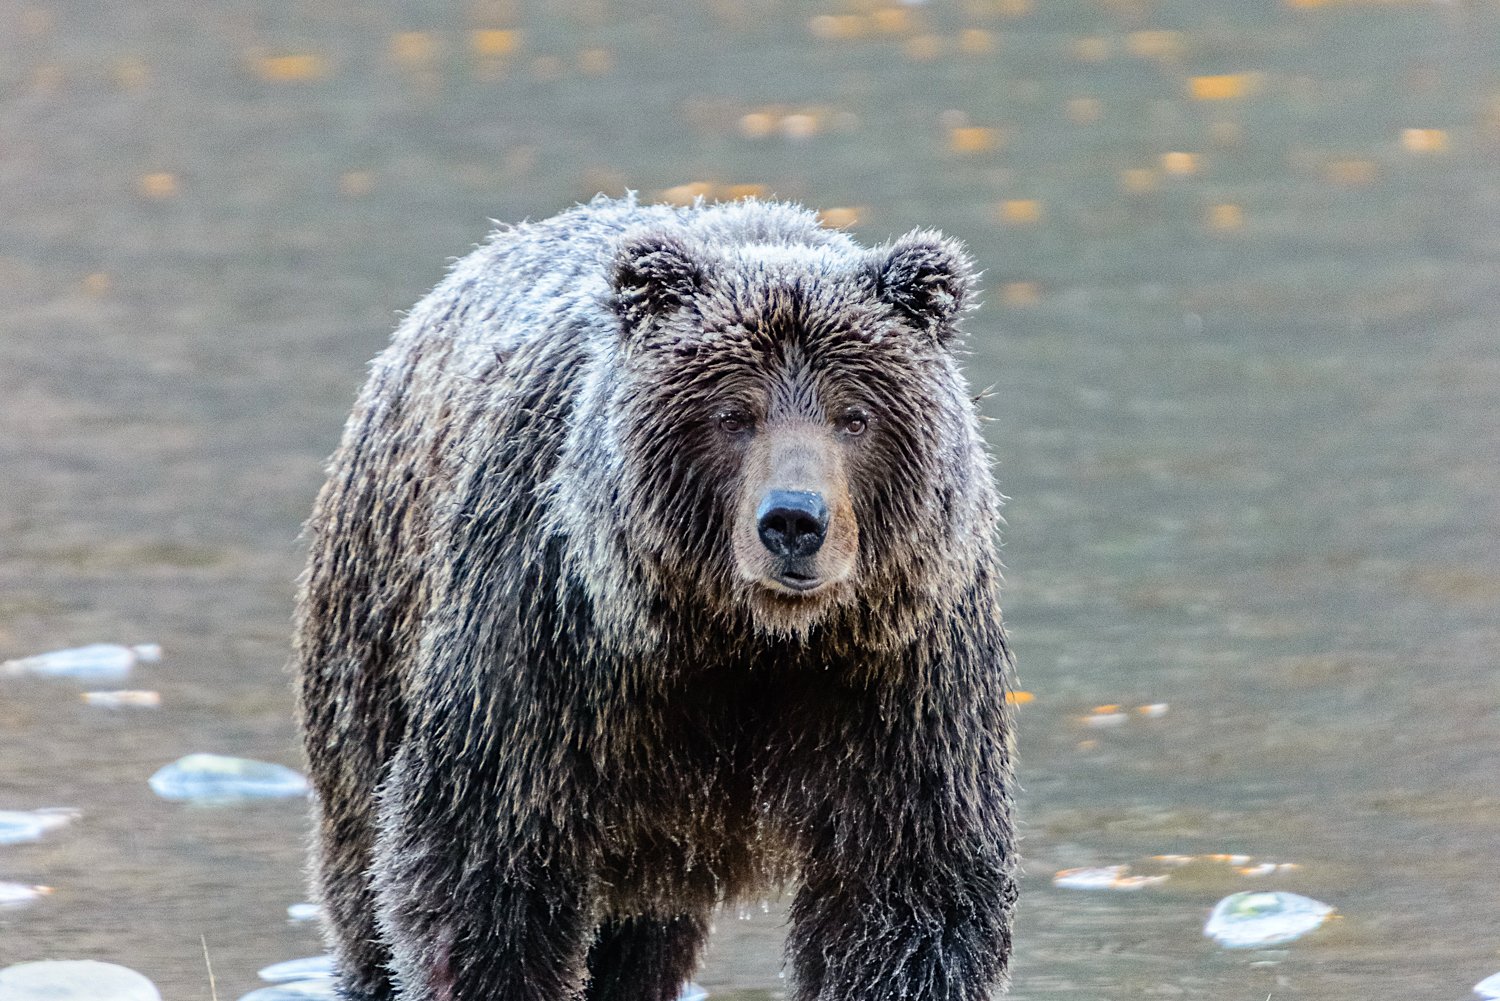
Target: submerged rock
column 1104, row 877
column 19, row 827
column 312, row 967
column 318, row 989
column 1183, row 870
column 95, row 662
column 1256, row 920
column 74, row 980
column 122, row 699
column 19, row 894
column 298, row 913
column 215, row 778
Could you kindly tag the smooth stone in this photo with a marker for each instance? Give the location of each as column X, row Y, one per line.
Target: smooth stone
column 95, row 662
column 1104, row 877
column 74, row 980
column 1254, row 920
column 18, row 827
column 320, row 989
column 298, row 913
column 216, row 778
column 298, row 969
column 1489, row 987
column 20, row 894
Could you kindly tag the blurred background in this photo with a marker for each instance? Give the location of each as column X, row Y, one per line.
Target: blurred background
column 1241, row 264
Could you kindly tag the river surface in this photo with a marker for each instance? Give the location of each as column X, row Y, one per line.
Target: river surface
column 1241, row 267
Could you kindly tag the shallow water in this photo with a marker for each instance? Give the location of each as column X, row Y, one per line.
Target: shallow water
column 1246, row 401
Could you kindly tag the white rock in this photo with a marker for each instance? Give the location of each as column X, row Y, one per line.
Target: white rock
column 297, row 913
column 1260, row 919
column 123, row 699
column 298, row 969
column 19, row 894
column 18, row 827
column 74, row 980
column 319, row 989
column 216, row 778
column 95, row 662
column 1489, row 987
column 1104, row 877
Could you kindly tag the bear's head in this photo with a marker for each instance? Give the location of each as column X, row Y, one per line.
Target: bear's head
column 794, row 432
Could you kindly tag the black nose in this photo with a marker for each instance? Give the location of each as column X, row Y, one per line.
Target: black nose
column 792, row 522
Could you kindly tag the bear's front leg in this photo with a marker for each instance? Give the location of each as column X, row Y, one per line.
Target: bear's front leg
column 469, row 913
column 882, row 928
column 645, row 958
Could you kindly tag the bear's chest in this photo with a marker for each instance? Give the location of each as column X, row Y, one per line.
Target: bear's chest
column 701, row 804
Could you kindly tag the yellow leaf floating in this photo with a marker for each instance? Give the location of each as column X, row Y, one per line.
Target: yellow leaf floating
column 1225, row 218
column 492, row 42
column 413, row 49
column 1223, row 87
column 686, row 194
column 892, row 20
column 1104, row 877
column 1351, row 173
column 304, row 67
column 973, row 139
column 1180, row 164
column 159, row 185
column 841, row 217
column 757, row 125
column 801, row 126
column 1020, row 294
column 1424, row 141
column 1103, row 716
column 1139, row 180
column 1020, row 211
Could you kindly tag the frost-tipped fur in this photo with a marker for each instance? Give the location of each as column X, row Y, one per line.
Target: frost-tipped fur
column 550, row 720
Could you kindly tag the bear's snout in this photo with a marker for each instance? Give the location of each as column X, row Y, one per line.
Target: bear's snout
column 792, row 523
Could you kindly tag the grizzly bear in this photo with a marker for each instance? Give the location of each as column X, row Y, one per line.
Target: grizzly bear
column 657, row 569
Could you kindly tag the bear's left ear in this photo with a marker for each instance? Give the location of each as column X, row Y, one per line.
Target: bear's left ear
column 926, row 278
column 654, row 273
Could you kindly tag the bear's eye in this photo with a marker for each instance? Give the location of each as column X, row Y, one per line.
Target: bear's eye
column 854, row 422
column 735, row 422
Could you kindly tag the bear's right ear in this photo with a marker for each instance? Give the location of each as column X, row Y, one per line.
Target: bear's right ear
column 654, row 273
column 926, row 278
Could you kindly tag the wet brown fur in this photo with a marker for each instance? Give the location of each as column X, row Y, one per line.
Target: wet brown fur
column 554, row 709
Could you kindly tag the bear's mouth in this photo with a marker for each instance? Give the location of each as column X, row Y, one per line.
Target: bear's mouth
column 796, row 583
